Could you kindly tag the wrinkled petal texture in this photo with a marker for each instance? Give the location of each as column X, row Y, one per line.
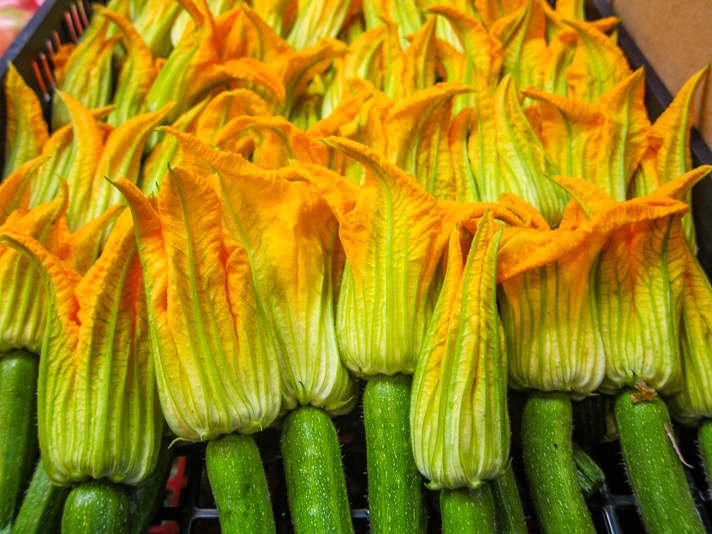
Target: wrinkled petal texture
column 694, row 401
column 290, row 235
column 97, row 405
column 393, row 238
column 215, row 363
column 458, row 418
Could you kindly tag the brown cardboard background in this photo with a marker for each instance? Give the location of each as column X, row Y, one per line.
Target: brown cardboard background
column 676, row 38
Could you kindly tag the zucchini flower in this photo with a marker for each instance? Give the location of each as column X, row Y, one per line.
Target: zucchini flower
column 26, row 131
column 98, row 413
column 393, row 233
column 24, row 308
column 694, row 402
column 639, row 286
column 194, row 67
column 668, row 149
column 215, row 360
column 291, row 238
column 550, row 313
column 88, row 72
column 458, row 414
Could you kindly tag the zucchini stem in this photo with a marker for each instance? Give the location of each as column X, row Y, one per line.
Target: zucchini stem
column 704, row 442
column 316, row 486
column 654, row 468
column 550, row 466
column 507, row 504
column 41, row 510
column 395, row 487
column 239, row 484
column 18, row 421
column 145, row 498
column 467, row 510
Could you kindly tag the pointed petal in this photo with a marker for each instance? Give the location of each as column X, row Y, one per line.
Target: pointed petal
column 26, row 130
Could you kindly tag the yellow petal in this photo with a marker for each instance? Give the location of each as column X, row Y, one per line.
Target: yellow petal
column 317, row 19
column 166, row 152
column 216, row 371
column 223, row 108
column 97, row 362
column 393, row 239
column 291, row 237
column 278, row 141
column 122, row 156
column 598, row 64
column 524, row 48
column 137, row 73
column 693, row 401
column 88, row 72
column 23, row 306
column 25, row 131
column 524, row 166
column 418, row 143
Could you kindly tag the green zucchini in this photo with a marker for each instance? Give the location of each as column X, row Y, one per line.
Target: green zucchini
column 590, row 476
column 507, row 504
column 145, row 498
column 18, row 420
column 550, row 466
column 654, row 467
column 41, row 511
column 316, row 487
column 704, row 442
column 239, row 485
column 395, row 487
column 466, row 511
column 96, row 506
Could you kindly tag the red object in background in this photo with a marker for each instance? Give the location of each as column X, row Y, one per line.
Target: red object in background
column 14, row 14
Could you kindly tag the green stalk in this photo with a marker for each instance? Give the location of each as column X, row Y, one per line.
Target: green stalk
column 507, row 504
column 590, row 476
column 395, row 488
column 654, row 467
column 704, row 442
column 97, row 506
column 145, row 498
column 316, row 486
column 239, row 485
column 41, row 511
column 18, row 421
column 549, row 463
column 466, row 510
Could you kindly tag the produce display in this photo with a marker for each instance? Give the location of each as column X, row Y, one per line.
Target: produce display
column 240, row 213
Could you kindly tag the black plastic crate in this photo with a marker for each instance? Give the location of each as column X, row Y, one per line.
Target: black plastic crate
column 189, row 506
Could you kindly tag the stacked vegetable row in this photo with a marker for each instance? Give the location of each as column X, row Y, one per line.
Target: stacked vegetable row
column 314, row 211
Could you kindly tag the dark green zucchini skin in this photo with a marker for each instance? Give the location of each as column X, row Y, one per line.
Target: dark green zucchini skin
column 18, row 422
column 97, row 506
column 41, row 511
column 316, row 486
column 550, row 466
column 395, row 487
column 704, row 442
column 239, row 485
column 507, row 504
column 145, row 498
column 654, row 467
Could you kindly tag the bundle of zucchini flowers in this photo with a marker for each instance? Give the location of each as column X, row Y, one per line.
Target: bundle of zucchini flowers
column 239, row 213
